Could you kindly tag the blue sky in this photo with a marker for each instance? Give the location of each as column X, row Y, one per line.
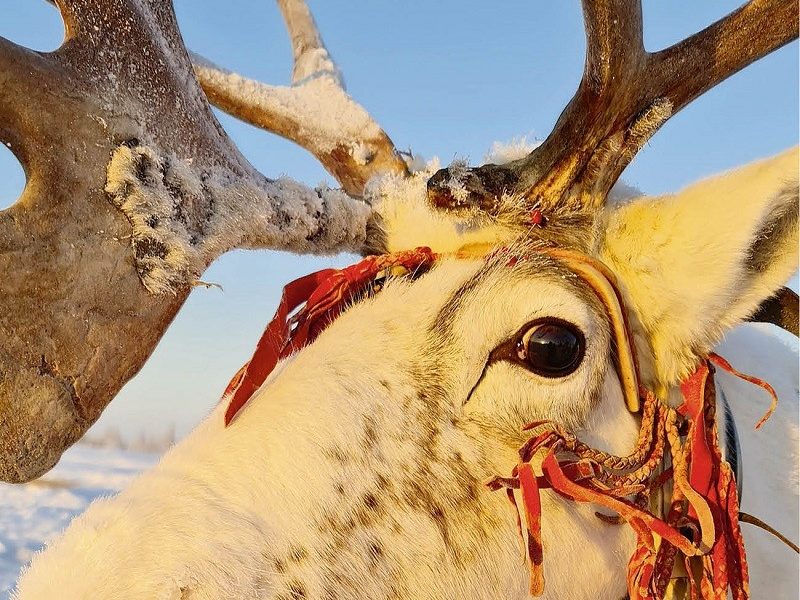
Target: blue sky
column 444, row 78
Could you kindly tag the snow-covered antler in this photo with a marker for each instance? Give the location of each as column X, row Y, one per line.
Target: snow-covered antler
column 315, row 112
column 625, row 96
column 133, row 188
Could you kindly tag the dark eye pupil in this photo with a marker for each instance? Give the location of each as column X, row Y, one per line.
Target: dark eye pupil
column 551, row 349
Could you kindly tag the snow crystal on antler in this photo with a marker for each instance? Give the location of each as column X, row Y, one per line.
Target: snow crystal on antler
column 180, row 216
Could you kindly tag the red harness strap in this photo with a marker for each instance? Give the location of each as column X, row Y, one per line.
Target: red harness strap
column 324, row 294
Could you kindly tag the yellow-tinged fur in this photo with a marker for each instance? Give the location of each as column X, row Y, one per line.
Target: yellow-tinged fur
column 684, row 259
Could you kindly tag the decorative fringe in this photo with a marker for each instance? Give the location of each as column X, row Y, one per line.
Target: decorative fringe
column 701, row 528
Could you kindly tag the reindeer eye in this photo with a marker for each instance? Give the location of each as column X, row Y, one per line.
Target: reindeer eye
column 551, row 347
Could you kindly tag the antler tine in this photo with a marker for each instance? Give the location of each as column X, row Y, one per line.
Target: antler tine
column 626, row 94
column 316, row 112
column 613, row 39
column 20, row 69
column 615, row 58
column 311, row 57
column 710, row 56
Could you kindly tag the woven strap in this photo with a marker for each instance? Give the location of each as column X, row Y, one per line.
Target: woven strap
column 701, row 527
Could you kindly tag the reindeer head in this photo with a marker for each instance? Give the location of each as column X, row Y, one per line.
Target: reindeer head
column 357, row 469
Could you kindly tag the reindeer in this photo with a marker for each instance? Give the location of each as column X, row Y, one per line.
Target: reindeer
column 357, row 467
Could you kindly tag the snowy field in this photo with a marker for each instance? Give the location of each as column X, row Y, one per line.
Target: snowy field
column 33, row 513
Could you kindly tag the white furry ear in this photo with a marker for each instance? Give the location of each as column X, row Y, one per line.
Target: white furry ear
column 696, row 263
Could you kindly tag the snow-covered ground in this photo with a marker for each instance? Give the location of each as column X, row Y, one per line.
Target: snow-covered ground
column 33, row 513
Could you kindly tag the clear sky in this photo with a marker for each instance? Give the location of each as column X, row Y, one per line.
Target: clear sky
column 444, row 78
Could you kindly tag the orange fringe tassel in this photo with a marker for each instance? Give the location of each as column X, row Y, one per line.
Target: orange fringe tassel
column 702, row 524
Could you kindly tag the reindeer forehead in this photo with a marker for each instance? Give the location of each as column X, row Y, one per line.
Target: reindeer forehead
column 496, row 276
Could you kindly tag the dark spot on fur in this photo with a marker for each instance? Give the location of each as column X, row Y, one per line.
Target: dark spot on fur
column 326, row 523
column 297, row 591
column 152, row 221
column 371, row 502
column 375, row 552
column 437, row 514
column 337, row 454
column 370, row 433
column 280, row 566
column 385, row 385
column 382, row 482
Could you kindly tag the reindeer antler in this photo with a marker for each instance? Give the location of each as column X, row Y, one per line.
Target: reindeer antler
column 316, row 112
column 625, row 95
column 98, row 256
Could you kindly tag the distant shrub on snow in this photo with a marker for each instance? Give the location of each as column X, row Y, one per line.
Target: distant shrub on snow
column 153, row 442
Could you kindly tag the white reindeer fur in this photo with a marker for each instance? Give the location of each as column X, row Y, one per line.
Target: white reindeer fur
column 356, row 470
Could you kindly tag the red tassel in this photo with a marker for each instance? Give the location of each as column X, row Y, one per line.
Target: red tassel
column 704, row 498
column 533, row 517
column 724, row 364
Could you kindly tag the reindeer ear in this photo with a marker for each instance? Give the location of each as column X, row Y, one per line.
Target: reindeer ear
column 696, row 263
